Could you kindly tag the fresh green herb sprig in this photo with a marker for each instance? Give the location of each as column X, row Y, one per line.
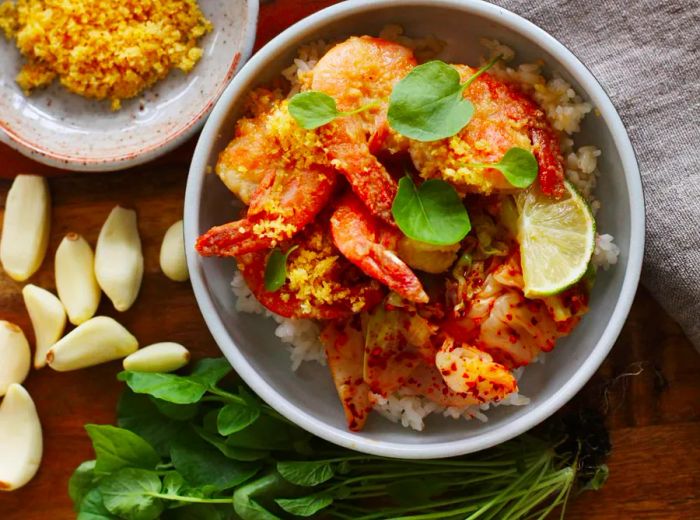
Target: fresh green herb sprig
column 222, row 454
column 429, row 103
column 432, row 212
column 276, row 269
column 518, row 166
column 313, row 109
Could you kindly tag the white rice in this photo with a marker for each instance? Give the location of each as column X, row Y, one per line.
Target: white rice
column 565, row 111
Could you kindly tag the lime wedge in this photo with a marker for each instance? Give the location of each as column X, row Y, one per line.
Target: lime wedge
column 557, row 238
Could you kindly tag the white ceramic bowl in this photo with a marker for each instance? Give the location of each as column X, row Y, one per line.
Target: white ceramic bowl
column 61, row 129
column 308, row 397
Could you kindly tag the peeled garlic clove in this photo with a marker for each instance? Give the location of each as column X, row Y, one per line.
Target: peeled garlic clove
column 159, row 357
column 48, row 319
column 21, row 445
column 75, row 278
column 98, row 340
column 118, row 258
column 172, row 254
column 25, row 229
column 14, row 355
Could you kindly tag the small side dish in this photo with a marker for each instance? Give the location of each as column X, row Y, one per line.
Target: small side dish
column 110, row 49
column 432, row 219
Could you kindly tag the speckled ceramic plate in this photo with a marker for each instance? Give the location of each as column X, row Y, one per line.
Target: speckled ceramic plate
column 56, row 127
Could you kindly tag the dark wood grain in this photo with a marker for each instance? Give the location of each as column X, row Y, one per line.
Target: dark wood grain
column 649, row 386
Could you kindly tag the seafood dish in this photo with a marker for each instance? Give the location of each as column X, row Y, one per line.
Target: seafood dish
column 427, row 229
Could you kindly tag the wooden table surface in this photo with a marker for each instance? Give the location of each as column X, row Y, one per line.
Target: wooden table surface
column 648, row 388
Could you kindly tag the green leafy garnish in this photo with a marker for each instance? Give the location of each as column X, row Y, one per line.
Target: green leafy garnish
column 305, row 506
column 117, row 448
column 128, row 494
column 429, row 104
column 431, row 213
column 196, row 474
column 313, row 109
column 518, row 166
column 276, row 269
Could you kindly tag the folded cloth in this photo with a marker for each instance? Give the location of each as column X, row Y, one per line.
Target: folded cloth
column 646, row 54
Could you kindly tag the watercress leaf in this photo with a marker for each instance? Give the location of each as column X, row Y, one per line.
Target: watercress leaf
column 168, row 387
column 428, row 104
column 431, row 213
column 305, row 506
column 245, row 505
column 276, row 269
column 137, row 413
column 312, row 109
column 92, row 507
column 128, row 494
column 306, row 473
column 178, row 412
column 518, row 166
column 202, row 465
column 209, row 371
column 264, row 434
column 236, row 416
column 81, row 481
column 118, row 448
column 242, row 454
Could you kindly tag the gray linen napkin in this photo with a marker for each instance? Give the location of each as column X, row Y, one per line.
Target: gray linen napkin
column 646, row 54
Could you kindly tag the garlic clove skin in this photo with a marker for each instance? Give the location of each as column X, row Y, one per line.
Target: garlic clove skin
column 159, row 357
column 172, row 254
column 15, row 356
column 48, row 319
column 26, row 226
column 21, row 444
column 98, row 340
column 75, row 278
column 118, row 258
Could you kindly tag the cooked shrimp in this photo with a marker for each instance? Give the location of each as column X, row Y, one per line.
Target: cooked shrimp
column 503, row 118
column 500, row 320
column 321, row 283
column 357, row 72
column 292, row 177
column 370, row 244
column 362, row 70
column 344, row 345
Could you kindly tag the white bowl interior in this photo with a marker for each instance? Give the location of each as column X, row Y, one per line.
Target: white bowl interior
column 63, row 129
column 308, row 396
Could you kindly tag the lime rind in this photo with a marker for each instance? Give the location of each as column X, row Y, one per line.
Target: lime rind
column 557, row 239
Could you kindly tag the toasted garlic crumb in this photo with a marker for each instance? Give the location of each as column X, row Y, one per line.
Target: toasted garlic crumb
column 25, row 229
column 21, row 445
column 98, row 340
column 172, row 254
column 48, row 319
column 159, row 357
column 75, row 278
column 118, row 258
column 15, row 355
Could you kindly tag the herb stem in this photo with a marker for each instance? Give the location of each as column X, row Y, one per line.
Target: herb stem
column 479, row 72
column 194, row 500
column 363, row 108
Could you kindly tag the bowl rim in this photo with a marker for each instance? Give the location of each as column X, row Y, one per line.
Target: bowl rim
column 168, row 142
column 593, row 90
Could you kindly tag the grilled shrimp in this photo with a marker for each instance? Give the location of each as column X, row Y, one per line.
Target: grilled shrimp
column 357, row 72
column 370, row 244
column 497, row 318
column 503, row 118
column 321, row 283
column 292, row 181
